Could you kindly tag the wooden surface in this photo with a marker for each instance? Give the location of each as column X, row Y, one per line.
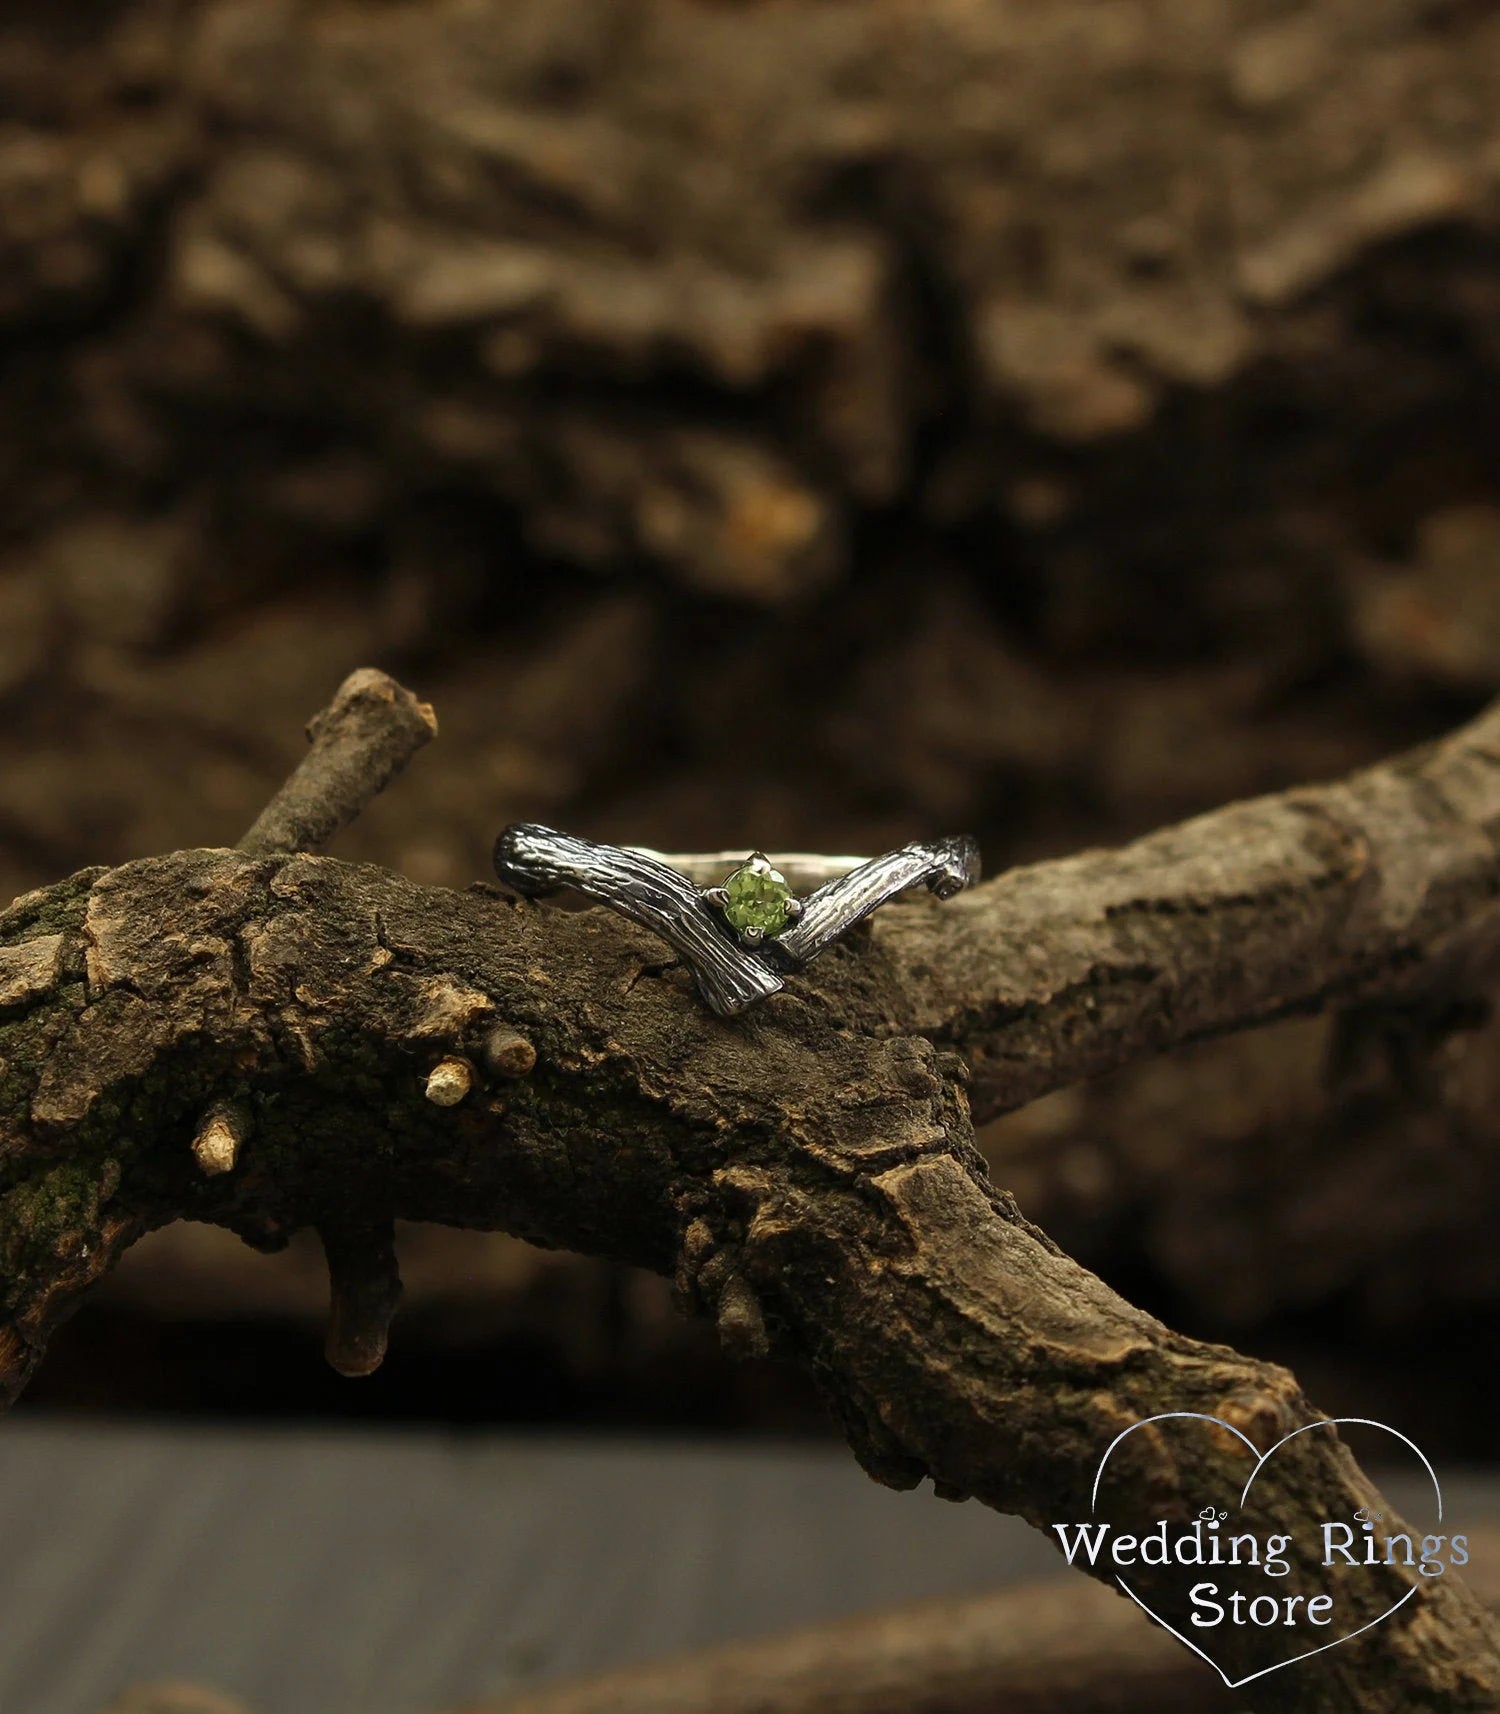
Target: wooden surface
column 337, row 1573
column 314, row 1572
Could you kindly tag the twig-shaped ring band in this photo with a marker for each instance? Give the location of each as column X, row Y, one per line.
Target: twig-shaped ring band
column 738, row 922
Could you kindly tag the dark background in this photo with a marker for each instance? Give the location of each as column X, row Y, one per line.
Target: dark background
column 804, row 425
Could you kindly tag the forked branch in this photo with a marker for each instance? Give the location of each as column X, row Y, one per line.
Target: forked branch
column 806, row 1172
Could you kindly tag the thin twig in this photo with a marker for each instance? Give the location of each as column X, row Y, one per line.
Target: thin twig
column 360, row 742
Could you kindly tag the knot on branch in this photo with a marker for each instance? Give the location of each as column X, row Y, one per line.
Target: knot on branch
column 220, row 1138
column 507, row 1053
column 450, row 1081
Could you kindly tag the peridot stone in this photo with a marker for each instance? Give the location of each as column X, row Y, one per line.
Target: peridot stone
column 757, row 896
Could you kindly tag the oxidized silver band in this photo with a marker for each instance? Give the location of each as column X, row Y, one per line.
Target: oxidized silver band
column 736, row 921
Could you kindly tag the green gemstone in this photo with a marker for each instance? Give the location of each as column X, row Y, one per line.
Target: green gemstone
column 757, row 897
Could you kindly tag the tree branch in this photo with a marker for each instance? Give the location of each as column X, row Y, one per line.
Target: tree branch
column 1381, row 887
column 807, row 1172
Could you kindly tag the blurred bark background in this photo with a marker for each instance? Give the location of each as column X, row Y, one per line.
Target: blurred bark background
column 802, row 423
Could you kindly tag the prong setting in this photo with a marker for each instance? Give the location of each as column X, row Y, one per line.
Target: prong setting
column 757, row 900
column 755, row 934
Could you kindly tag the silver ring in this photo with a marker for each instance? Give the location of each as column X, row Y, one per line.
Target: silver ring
column 738, row 922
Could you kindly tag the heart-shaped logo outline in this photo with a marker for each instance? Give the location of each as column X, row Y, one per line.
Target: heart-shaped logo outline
column 1260, row 1461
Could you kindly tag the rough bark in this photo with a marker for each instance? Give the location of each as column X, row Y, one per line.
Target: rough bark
column 806, row 1172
